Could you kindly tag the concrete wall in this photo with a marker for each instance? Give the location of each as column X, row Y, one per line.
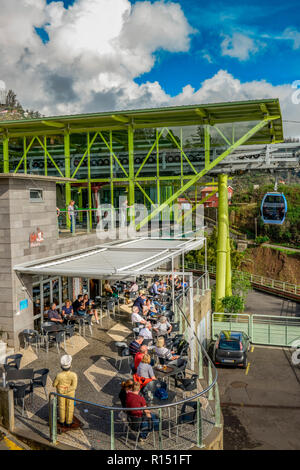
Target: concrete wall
column 19, row 217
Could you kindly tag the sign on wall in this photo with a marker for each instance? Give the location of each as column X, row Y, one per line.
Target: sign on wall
column 36, row 238
column 23, row 304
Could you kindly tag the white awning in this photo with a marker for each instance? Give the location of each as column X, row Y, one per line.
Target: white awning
column 113, row 260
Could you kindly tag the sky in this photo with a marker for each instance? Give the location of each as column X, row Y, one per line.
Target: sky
column 81, row 56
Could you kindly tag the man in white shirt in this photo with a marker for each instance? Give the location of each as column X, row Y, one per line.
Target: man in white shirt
column 146, row 331
column 136, row 317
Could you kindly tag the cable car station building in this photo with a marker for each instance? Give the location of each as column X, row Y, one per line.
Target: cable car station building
column 148, row 156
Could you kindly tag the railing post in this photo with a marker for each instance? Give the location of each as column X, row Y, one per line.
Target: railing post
column 199, row 425
column 200, row 362
column 112, row 431
column 217, row 407
column 160, row 430
column 53, row 420
column 210, row 392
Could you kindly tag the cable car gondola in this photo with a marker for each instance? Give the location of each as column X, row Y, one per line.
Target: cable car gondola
column 273, row 208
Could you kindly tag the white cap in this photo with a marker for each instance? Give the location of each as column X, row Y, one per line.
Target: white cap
column 66, row 361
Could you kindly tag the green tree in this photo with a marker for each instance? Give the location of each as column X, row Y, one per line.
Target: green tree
column 233, row 304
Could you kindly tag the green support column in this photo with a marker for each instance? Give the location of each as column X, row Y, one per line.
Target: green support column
column 207, row 145
column 67, row 170
column 90, row 215
column 131, row 197
column 228, row 290
column 5, row 156
column 222, row 242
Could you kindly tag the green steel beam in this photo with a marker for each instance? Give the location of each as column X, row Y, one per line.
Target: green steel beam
column 222, row 135
column 198, row 204
column 49, row 156
column 150, row 151
column 222, row 243
column 85, row 154
column 120, row 118
column 67, row 169
column 114, row 155
column 131, row 194
column 207, row 144
column 182, row 152
column 89, row 182
column 214, row 163
column 144, row 193
column 6, row 155
column 58, row 125
column 228, row 289
column 26, row 150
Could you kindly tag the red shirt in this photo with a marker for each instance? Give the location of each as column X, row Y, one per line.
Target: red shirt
column 135, row 401
column 138, row 357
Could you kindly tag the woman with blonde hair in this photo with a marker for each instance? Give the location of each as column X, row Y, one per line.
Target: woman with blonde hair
column 163, row 352
column 144, row 373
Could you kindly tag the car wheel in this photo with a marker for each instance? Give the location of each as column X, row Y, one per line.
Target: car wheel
column 245, row 363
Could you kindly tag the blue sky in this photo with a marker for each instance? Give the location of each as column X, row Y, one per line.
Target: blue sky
column 103, row 55
column 265, row 21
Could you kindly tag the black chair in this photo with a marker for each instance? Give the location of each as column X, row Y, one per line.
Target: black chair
column 87, row 320
column 13, row 361
column 40, row 379
column 181, row 364
column 187, row 385
column 188, row 417
column 20, row 390
column 32, row 337
column 134, row 424
column 56, row 338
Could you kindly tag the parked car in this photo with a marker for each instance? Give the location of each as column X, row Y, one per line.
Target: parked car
column 231, row 348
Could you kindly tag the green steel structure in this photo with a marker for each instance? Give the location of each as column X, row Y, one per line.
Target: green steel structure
column 151, row 156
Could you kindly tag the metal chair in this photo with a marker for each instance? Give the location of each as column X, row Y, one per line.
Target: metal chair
column 32, row 337
column 40, row 379
column 121, row 357
column 134, row 425
column 87, row 320
column 20, row 390
column 13, row 362
column 57, row 338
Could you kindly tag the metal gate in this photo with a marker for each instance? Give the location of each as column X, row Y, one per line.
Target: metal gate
column 262, row 329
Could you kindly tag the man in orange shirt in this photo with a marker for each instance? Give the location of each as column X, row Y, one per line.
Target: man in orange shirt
column 139, row 356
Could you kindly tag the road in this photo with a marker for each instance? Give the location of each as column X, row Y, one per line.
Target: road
column 261, row 406
column 265, row 304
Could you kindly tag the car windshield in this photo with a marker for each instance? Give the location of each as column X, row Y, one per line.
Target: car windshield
column 230, row 345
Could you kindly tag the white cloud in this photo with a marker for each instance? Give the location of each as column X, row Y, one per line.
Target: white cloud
column 293, row 35
column 97, row 48
column 240, row 46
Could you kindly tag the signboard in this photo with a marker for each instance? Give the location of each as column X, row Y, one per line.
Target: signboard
column 36, row 238
column 23, row 304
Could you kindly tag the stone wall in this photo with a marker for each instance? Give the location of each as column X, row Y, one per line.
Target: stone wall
column 19, row 217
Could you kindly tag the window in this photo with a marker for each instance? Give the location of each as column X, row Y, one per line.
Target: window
column 36, row 195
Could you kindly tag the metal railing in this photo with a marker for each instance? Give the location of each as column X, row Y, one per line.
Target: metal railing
column 181, row 424
column 255, row 279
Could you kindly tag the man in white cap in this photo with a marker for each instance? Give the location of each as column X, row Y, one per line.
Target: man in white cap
column 66, row 384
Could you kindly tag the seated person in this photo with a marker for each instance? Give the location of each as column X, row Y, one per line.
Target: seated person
column 162, row 287
column 53, row 314
column 139, row 301
column 164, row 352
column 139, row 356
column 125, row 387
column 78, row 306
column 136, row 317
column 144, row 373
column 108, row 289
column 163, row 327
column 67, row 309
column 154, row 288
column 135, row 400
column 88, row 303
column 135, row 345
column 146, row 331
column 134, row 288
column 151, row 310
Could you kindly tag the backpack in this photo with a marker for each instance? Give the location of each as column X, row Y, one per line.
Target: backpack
column 182, row 346
column 161, row 393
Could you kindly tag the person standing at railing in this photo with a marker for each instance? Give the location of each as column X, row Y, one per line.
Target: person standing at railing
column 71, row 215
column 66, row 384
